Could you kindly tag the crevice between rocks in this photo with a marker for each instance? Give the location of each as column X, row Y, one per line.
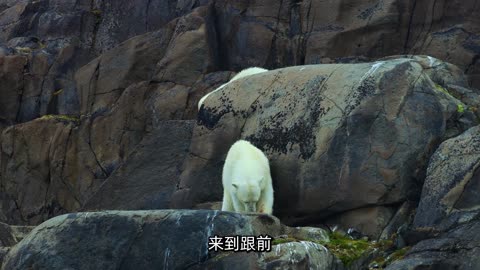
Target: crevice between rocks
column 409, row 30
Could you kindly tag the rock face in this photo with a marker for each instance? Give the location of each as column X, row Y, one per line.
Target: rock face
column 457, row 248
column 117, row 77
column 149, row 240
column 98, row 99
column 339, row 137
column 10, row 236
column 452, row 184
column 160, row 156
column 310, row 32
column 446, row 221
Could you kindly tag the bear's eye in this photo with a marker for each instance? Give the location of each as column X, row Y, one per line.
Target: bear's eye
column 235, row 185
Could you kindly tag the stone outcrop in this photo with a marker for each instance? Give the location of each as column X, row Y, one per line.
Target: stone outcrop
column 150, row 239
column 98, row 101
column 339, row 137
column 446, row 224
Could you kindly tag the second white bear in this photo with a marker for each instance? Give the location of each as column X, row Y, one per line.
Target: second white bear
column 241, row 74
column 247, row 184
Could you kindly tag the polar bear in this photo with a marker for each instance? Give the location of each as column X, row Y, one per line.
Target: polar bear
column 241, row 74
column 247, row 184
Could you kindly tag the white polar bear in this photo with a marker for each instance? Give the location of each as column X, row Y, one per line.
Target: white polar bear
column 241, row 74
column 247, row 184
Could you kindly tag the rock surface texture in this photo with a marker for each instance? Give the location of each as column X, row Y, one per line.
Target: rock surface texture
column 98, row 111
column 447, row 219
column 339, row 137
column 149, row 240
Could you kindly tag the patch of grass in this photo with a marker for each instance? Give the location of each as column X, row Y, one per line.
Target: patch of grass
column 42, row 45
column 96, row 12
column 382, row 262
column 23, row 50
column 460, row 107
column 284, row 240
column 347, row 249
column 58, row 92
column 443, row 90
column 342, row 246
column 62, row 117
column 398, row 254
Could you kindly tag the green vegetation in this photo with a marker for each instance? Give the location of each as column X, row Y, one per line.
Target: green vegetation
column 343, row 247
column 346, row 249
column 443, row 90
column 98, row 16
column 58, row 92
column 62, row 117
column 460, row 107
column 24, row 50
column 349, row 250
column 382, row 262
column 96, row 12
column 284, row 240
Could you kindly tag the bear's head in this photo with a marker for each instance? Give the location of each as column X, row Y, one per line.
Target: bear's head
column 248, row 194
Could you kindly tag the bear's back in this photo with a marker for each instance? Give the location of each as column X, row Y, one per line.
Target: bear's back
column 244, row 151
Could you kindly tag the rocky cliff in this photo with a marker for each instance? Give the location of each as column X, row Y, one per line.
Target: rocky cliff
column 368, row 115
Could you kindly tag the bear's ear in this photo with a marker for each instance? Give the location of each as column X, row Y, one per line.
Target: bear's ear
column 235, row 186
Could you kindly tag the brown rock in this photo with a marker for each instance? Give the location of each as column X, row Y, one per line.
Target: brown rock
column 12, row 83
column 338, row 137
column 312, row 32
column 70, row 158
column 180, row 53
column 453, row 179
column 150, row 174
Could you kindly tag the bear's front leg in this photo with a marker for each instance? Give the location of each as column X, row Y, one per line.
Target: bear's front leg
column 227, row 202
column 265, row 203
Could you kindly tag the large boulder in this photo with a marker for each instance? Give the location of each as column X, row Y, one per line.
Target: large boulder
column 451, row 190
column 163, row 238
column 446, row 224
column 456, row 248
column 9, row 236
column 339, row 137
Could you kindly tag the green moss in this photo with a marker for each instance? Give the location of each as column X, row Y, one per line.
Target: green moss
column 58, row 92
column 24, row 50
column 221, row 255
column 343, row 247
column 346, row 249
column 398, row 254
column 441, row 89
column 284, row 240
column 382, row 262
column 42, row 45
column 62, row 117
column 460, row 107
column 96, row 12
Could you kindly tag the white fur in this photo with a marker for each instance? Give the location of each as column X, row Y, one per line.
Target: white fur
column 241, row 74
column 247, row 184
